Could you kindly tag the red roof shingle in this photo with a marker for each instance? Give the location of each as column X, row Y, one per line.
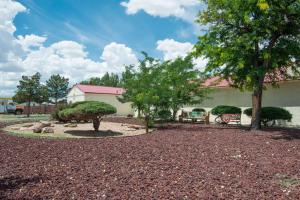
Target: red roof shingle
column 100, row 89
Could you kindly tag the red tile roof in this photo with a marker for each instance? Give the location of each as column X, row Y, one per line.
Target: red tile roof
column 100, row 89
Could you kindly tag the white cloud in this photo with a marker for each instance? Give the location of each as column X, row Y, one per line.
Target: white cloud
column 172, row 49
column 8, row 10
column 26, row 55
column 29, row 41
column 184, row 9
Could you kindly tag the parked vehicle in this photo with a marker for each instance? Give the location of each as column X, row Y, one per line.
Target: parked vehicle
column 8, row 106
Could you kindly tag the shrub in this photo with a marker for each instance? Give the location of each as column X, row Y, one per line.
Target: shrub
column 222, row 109
column 87, row 110
column 164, row 115
column 54, row 114
column 269, row 114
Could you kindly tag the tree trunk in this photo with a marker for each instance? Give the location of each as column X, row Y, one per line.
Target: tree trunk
column 28, row 108
column 96, row 124
column 174, row 114
column 256, row 105
column 147, row 118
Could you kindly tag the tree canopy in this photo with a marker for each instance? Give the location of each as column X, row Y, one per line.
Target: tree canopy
column 57, row 87
column 87, row 110
column 249, row 42
column 112, row 80
column 30, row 90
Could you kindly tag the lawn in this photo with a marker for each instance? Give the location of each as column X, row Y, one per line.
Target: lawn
column 11, row 118
column 175, row 162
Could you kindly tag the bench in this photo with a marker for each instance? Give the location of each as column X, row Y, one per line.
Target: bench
column 228, row 118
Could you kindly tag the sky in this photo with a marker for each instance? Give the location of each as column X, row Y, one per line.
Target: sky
column 82, row 39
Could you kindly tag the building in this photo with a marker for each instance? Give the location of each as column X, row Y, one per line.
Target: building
column 287, row 96
column 104, row 94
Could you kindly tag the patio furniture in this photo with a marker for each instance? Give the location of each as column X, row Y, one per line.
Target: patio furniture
column 228, row 118
column 196, row 115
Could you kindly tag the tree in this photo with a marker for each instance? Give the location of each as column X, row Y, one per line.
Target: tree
column 57, row 87
column 249, row 42
column 181, row 84
column 142, row 87
column 112, row 80
column 87, row 110
column 29, row 90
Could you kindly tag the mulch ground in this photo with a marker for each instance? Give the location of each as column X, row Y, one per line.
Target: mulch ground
column 174, row 162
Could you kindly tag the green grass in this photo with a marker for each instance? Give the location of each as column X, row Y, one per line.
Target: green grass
column 10, row 118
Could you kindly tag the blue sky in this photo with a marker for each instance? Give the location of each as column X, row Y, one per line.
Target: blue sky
column 97, row 23
column 82, row 39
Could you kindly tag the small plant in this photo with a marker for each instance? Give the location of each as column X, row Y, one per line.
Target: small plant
column 54, row 114
column 164, row 115
column 270, row 114
column 87, row 110
column 222, row 109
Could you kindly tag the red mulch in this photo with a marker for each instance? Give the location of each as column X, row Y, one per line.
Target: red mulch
column 177, row 162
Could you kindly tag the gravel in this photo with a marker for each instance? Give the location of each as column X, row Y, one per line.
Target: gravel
column 175, row 162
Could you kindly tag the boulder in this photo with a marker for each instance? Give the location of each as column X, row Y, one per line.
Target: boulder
column 71, row 125
column 45, row 123
column 15, row 128
column 47, row 130
column 27, row 125
column 38, row 127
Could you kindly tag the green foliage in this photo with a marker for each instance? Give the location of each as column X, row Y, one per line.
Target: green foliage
column 164, row 115
column 111, row 80
column 55, row 115
column 251, row 41
column 57, row 87
column 223, row 109
column 86, row 110
column 30, row 90
column 269, row 114
column 153, row 86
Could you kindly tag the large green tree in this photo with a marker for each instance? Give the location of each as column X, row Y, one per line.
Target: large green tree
column 57, row 87
column 180, row 84
column 249, row 41
column 142, row 87
column 30, row 90
column 112, row 80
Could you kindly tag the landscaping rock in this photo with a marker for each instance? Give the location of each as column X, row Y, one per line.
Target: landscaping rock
column 15, row 128
column 47, row 130
column 45, row 123
column 71, row 125
column 27, row 125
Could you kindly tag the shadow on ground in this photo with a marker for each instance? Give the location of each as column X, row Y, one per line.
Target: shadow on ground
column 89, row 133
column 10, row 184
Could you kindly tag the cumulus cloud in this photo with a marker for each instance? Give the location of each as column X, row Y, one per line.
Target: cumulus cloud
column 25, row 55
column 184, row 9
column 172, row 49
column 29, row 41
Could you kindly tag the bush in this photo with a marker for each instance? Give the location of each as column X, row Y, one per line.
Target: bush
column 54, row 114
column 269, row 114
column 222, row 109
column 164, row 115
column 87, row 110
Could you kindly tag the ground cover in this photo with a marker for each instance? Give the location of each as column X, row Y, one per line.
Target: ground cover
column 177, row 161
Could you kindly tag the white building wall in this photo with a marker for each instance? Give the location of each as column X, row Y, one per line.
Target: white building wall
column 75, row 95
column 122, row 108
column 286, row 96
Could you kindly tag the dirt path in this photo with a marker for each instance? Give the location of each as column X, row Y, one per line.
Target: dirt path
column 182, row 162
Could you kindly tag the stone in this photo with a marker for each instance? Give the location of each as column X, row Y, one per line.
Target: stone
column 45, row 123
column 71, row 125
column 27, row 125
column 25, row 129
column 15, row 128
column 47, row 130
